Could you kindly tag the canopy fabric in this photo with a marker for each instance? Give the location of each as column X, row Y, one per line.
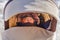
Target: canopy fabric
column 20, row 6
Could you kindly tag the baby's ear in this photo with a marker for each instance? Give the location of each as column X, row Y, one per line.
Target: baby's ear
column 46, row 17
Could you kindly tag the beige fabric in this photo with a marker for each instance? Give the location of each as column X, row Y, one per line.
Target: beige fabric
column 51, row 38
column 26, row 33
column 16, row 7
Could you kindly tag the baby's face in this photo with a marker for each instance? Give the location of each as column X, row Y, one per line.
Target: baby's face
column 28, row 19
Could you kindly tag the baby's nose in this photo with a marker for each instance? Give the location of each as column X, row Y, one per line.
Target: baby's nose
column 30, row 20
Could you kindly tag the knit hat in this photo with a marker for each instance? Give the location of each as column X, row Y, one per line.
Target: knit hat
column 14, row 7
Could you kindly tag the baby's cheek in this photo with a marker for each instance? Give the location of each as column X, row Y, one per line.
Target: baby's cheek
column 31, row 21
column 24, row 21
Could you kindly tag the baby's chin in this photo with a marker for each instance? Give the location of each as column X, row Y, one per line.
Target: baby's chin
column 25, row 24
column 28, row 24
